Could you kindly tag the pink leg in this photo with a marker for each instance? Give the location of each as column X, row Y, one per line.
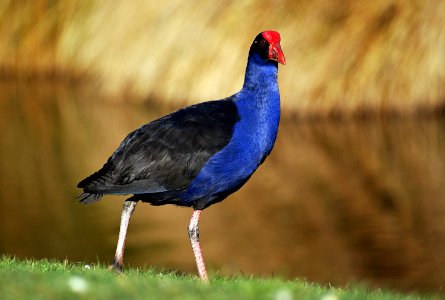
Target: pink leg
column 194, row 240
column 127, row 211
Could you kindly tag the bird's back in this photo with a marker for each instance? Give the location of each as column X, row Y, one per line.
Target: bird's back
column 164, row 156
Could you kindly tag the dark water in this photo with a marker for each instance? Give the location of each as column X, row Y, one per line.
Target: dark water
column 337, row 201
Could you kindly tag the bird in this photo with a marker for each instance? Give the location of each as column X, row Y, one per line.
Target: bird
column 198, row 155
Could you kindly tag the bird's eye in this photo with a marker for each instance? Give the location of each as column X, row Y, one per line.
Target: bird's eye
column 263, row 42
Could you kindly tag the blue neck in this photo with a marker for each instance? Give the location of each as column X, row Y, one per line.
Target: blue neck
column 258, row 104
column 260, row 73
column 260, row 94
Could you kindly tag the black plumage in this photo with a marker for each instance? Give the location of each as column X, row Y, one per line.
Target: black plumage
column 163, row 157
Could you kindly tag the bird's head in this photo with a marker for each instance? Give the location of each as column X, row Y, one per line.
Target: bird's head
column 267, row 45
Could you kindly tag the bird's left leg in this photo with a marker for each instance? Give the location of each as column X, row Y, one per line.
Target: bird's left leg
column 127, row 211
column 194, row 240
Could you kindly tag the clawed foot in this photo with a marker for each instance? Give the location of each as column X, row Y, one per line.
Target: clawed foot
column 115, row 267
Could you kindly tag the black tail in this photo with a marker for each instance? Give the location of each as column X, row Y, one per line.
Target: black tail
column 88, row 198
column 89, row 194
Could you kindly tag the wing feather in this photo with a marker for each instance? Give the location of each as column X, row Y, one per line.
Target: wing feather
column 166, row 154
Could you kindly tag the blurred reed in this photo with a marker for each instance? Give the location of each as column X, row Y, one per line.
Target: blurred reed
column 343, row 56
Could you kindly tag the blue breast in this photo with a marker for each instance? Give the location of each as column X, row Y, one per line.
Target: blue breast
column 258, row 105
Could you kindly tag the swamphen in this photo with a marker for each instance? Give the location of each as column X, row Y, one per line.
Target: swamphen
column 198, row 155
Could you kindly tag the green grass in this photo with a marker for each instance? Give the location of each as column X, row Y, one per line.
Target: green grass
column 43, row 279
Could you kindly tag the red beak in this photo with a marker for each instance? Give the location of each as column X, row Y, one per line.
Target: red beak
column 276, row 54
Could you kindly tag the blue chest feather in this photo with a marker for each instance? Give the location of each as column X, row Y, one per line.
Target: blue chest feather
column 258, row 105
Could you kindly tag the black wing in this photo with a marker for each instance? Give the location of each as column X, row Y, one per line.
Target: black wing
column 166, row 154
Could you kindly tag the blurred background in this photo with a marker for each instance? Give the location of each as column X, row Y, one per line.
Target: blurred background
column 353, row 192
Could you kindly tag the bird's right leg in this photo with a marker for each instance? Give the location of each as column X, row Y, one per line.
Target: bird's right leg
column 127, row 211
column 193, row 231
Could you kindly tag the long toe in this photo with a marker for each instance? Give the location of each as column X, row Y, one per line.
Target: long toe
column 115, row 268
